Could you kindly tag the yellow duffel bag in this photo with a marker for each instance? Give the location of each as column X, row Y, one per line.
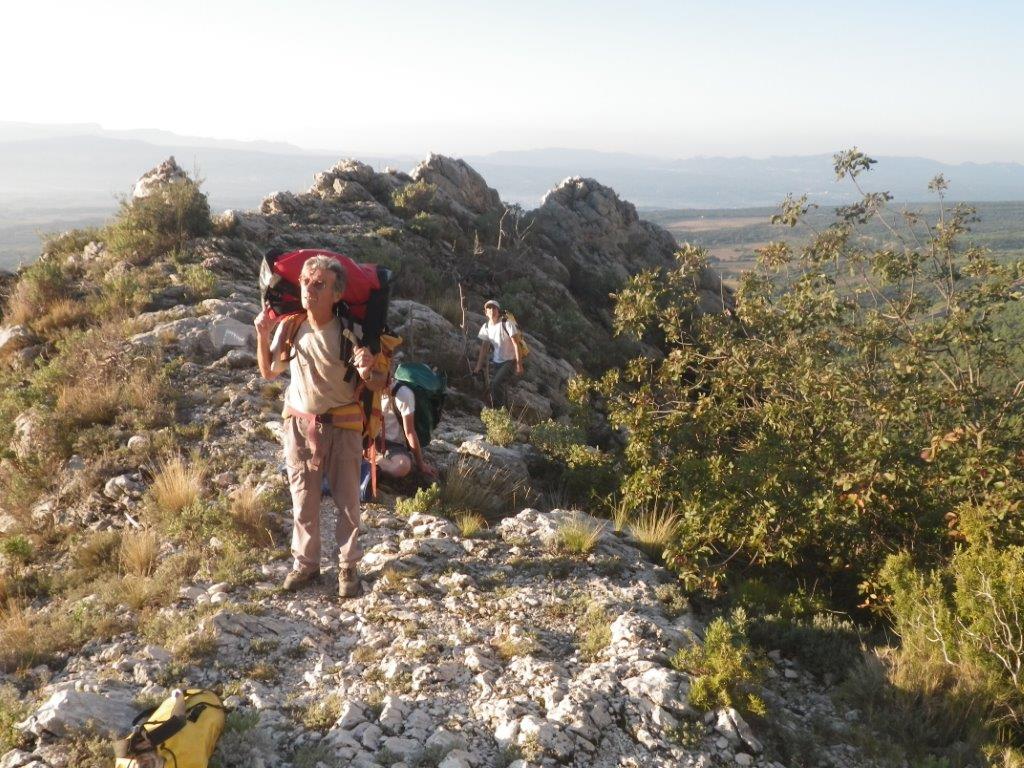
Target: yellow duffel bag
column 180, row 733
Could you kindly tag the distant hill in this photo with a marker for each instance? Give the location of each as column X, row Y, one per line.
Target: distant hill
column 740, row 182
column 50, row 175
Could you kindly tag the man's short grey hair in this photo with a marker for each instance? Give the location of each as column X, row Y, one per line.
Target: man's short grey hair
column 327, row 264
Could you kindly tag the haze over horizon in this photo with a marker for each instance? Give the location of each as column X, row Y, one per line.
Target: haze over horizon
column 658, row 78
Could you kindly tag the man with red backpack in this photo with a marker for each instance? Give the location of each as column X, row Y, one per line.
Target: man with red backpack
column 323, row 424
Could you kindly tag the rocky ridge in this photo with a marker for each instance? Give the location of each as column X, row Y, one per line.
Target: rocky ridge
column 465, row 651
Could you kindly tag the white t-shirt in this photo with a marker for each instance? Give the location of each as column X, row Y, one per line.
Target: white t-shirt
column 503, row 347
column 405, row 402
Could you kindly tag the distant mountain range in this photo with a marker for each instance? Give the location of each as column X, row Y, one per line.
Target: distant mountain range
column 85, row 164
column 53, row 177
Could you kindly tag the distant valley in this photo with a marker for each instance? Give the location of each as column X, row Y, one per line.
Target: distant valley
column 57, row 177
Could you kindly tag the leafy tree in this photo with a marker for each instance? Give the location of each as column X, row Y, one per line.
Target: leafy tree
column 852, row 402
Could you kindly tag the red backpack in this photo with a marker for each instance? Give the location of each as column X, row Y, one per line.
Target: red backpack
column 365, row 300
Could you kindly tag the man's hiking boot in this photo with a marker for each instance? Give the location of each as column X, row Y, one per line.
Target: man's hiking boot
column 298, row 579
column 348, row 582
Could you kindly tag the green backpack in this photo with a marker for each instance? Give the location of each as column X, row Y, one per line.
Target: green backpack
column 429, row 386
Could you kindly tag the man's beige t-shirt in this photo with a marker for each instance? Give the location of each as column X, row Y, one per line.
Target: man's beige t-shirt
column 316, row 369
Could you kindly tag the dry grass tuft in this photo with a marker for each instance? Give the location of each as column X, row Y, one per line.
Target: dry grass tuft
column 510, row 646
column 654, row 530
column 395, row 578
column 18, row 640
column 470, row 524
column 97, row 552
column 85, row 402
column 471, row 486
column 23, row 304
column 62, row 313
column 620, row 516
column 249, row 514
column 578, row 534
column 139, row 552
column 177, row 484
column 138, row 592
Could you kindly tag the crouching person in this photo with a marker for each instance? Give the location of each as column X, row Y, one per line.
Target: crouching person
column 323, row 420
column 402, row 449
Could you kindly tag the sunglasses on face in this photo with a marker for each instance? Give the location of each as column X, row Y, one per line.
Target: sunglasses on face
column 313, row 285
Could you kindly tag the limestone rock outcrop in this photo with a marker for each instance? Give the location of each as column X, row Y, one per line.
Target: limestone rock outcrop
column 462, row 191
column 168, row 172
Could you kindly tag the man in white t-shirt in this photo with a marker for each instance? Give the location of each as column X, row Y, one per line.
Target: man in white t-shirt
column 496, row 334
column 402, row 450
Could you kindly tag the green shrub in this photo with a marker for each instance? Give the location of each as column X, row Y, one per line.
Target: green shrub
column 854, row 395
column 800, row 624
column 321, row 713
column 961, row 636
column 501, row 427
column 163, row 222
column 199, row 280
column 725, row 671
column 435, row 228
column 594, row 632
column 122, row 295
column 584, row 474
column 415, row 198
column 590, row 474
column 388, row 233
column 69, row 243
column 427, row 501
column 673, row 600
column 17, row 548
column 13, row 709
column 554, row 438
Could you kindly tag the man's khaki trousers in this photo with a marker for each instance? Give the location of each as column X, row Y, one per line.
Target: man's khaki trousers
column 342, row 453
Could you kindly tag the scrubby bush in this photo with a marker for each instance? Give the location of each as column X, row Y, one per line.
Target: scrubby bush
column 555, row 438
column 853, row 396
column 12, row 711
column 426, row 501
column 435, row 228
column 584, row 474
column 725, row 672
column 962, row 636
column 501, row 427
column 856, row 398
column 470, row 489
column 415, row 198
column 162, row 222
column 39, row 287
column 17, row 548
column 199, row 280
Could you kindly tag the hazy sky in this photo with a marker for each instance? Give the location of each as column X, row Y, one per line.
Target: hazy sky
column 937, row 79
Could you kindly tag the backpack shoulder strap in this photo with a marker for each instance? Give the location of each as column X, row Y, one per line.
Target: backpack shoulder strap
column 289, row 330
